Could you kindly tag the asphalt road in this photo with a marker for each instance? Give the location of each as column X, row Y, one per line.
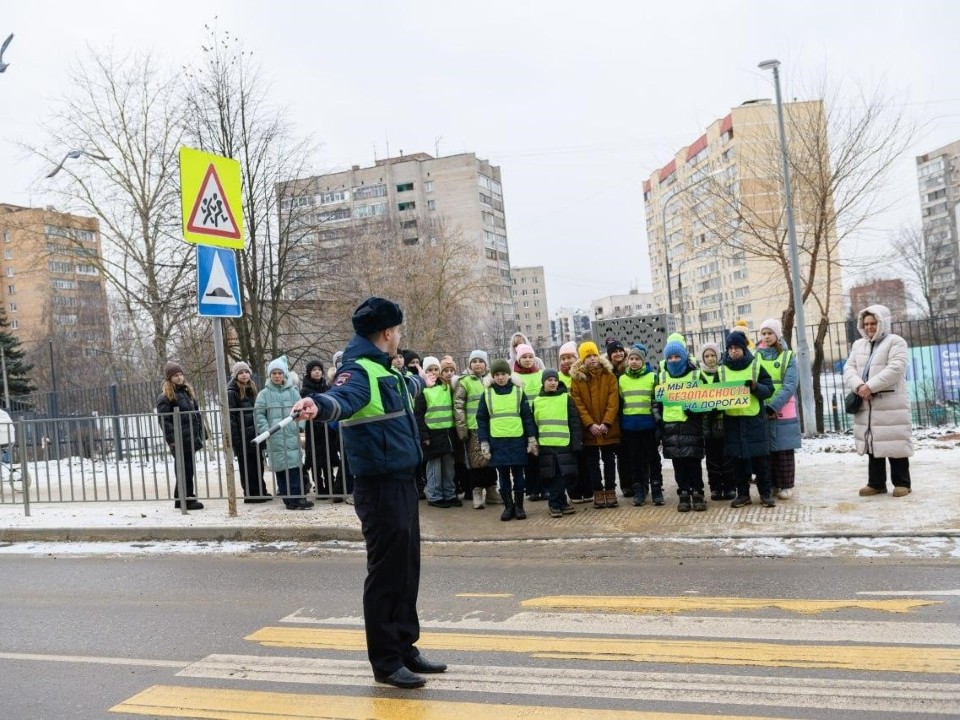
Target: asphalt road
column 278, row 635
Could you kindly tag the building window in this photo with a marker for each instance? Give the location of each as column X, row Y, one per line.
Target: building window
column 411, row 241
column 11, row 289
column 431, row 204
column 6, row 236
column 428, row 186
column 64, row 284
column 365, row 211
column 87, row 269
column 365, row 192
column 337, row 196
column 10, row 272
column 54, row 266
column 406, row 205
column 8, row 254
column 405, row 187
column 14, row 324
column 485, row 199
column 492, row 255
column 13, row 307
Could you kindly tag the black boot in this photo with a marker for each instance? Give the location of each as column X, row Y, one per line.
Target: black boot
column 518, row 512
column 684, row 505
column 507, row 513
column 656, row 493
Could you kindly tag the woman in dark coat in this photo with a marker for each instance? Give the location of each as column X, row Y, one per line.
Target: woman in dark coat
column 177, row 393
column 322, row 440
column 241, row 396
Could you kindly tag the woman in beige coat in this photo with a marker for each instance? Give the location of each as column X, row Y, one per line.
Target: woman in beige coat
column 876, row 371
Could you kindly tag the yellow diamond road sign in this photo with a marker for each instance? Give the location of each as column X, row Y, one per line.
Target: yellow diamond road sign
column 210, row 199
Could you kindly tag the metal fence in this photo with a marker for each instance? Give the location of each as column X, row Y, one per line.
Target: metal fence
column 117, row 458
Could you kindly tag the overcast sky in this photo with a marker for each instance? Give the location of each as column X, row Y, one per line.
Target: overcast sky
column 576, row 102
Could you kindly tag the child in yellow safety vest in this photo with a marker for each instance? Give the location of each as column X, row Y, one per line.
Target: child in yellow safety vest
column 507, row 435
column 529, row 372
column 638, row 428
column 467, row 393
column 434, row 411
column 781, row 408
column 560, row 436
column 721, row 473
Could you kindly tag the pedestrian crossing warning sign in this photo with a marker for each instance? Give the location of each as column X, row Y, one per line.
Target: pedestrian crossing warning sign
column 210, row 199
column 218, row 287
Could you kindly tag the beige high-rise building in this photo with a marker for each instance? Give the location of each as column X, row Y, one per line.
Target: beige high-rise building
column 695, row 205
column 624, row 305
column 52, row 289
column 410, row 201
column 938, row 175
column 530, row 298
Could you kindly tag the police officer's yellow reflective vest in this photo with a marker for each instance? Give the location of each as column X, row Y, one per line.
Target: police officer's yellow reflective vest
column 776, row 368
column 373, row 410
column 505, row 421
column 676, row 413
column 751, row 372
column 439, row 413
column 637, row 393
column 474, row 389
column 550, row 415
column 532, row 383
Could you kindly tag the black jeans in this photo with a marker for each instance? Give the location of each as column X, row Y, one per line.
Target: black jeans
column 689, row 475
column 642, row 459
column 250, row 460
column 390, row 521
column 877, row 472
column 188, row 474
column 756, row 466
column 721, row 470
column 607, row 455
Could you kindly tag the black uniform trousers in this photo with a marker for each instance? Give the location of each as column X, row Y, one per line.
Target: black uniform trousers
column 387, row 506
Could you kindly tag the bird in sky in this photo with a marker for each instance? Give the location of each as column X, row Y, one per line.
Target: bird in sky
column 3, row 49
column 73, row 155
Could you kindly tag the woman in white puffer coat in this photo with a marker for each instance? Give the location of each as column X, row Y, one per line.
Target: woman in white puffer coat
column 877, row 371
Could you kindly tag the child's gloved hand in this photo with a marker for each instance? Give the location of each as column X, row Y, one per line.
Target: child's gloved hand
column 485, row 450
column 532, row 447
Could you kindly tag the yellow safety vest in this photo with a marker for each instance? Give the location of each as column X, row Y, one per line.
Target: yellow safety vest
column 637, row 393
column 439, row 414
column 474, row 388
column 553, row 423
column 751, row 372
column 373, row 410
column 776, row 368
column 505, row 421
column 676, row 413
column 565, row 379
column 532, row 383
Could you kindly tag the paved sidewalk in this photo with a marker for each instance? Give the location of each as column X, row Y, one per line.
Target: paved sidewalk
column 825, row 504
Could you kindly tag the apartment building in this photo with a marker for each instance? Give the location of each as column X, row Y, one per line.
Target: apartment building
column 938, row 176
column 703, row 259
column 52, row 288
column 410, row 201
column 629, row 304
column 530, row 299
column 890, row 292
column 569, row 325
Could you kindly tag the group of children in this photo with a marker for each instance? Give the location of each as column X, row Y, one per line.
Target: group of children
column 515, row 430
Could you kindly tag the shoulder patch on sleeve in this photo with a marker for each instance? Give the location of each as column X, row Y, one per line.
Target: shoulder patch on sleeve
column 342, row 379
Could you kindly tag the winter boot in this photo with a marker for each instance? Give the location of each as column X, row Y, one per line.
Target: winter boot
column 508, row 509
column 698, row 501
column 639, row 495
column 599, row 499
column 518, row 512
column 656, row 494
column 685, row 505
column 610, row 498
column 493, row 496
column 478, row 499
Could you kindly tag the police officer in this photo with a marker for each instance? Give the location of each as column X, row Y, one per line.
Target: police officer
column 374, row 404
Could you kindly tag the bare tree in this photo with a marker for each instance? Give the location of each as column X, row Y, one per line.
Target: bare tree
column 840, row 155
column 126, row 110
column 918, row 260
column 229, row 112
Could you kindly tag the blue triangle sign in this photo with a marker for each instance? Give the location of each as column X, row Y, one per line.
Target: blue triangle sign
column 218, row 287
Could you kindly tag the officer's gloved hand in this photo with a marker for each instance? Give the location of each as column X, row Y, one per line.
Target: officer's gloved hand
column 532, row 447
column 462, row 432
column 485, row 449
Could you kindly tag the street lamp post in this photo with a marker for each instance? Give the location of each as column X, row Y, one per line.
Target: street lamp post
column 807, row 406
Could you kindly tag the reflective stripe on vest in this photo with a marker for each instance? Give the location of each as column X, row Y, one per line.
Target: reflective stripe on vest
column 439, row 414
column 776, row 368
column 553, row 425
column 676, row 413
column 474, row 386
column 751, row 372
column 504, row 412
column 532, row 383
column 373, row 410
column 637, row 393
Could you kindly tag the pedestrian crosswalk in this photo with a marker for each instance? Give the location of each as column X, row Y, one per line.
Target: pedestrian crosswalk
column 598, row 657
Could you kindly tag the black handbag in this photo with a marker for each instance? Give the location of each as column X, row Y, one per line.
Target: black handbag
column 852, row 403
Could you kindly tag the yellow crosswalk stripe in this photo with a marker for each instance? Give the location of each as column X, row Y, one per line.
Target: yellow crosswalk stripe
column 684, row 603
column 216, row 704
column 874, row 658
